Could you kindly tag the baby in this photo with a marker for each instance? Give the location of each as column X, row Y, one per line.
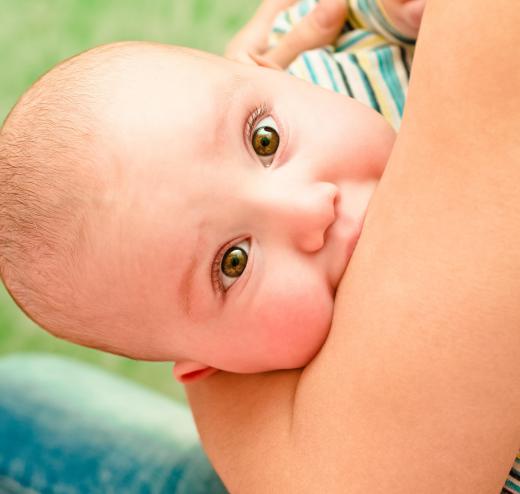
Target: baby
column 167, row 204
column 151, row 212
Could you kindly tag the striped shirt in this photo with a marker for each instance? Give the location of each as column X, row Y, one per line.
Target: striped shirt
column 369, row 61
column 512, row 485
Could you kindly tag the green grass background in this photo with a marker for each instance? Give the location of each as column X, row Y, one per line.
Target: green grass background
column 35, row 35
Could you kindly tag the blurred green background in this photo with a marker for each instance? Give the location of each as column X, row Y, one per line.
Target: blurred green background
column 35, row 35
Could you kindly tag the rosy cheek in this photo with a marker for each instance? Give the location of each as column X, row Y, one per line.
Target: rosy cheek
column 295, row 324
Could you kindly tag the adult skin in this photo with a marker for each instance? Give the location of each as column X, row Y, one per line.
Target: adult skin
column 414, row 390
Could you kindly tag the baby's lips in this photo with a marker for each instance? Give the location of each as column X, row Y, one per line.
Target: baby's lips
column 353, row 232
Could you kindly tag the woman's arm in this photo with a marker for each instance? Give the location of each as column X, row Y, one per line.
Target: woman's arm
column 414, row 390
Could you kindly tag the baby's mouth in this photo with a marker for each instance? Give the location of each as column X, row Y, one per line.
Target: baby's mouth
column 351, row 244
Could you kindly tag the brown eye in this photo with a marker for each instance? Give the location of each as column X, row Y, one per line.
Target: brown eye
column 234, row 261
column 265, row 141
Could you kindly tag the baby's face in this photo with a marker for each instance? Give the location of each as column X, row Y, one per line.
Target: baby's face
column 241, row 193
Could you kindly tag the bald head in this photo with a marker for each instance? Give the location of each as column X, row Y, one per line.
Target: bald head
column 54, row 172
column 65, row 161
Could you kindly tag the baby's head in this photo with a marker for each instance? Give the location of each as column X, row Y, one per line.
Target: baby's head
column 167, row 204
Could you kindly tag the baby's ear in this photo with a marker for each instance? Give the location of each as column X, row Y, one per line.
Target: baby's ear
column 188, row 372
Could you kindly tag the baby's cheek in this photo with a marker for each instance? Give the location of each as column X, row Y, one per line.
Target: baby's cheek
column 295, row 324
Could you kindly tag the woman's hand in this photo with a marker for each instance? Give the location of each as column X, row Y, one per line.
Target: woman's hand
column 320, row 27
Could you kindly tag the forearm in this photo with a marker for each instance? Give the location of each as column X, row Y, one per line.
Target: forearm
column 416, row 378
column 245, row 425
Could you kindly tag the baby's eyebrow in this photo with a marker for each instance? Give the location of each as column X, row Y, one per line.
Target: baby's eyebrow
column 186, row 289
column 227, row 94
column 230, row 88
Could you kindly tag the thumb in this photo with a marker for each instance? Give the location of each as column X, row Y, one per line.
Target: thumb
column 319, row 28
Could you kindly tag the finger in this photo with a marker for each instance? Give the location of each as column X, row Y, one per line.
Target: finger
column 319, row 28
column 263, row 62
column 253, row 36
column 243, row 57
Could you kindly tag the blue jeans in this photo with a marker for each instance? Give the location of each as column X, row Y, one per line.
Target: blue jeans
column 70, row 428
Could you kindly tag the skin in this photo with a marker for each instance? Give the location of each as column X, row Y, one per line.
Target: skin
column 414, row 389
column 405, row 15
column 185, row 184
column 317, row 29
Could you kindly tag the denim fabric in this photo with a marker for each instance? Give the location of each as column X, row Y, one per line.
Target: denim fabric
column 69, row 428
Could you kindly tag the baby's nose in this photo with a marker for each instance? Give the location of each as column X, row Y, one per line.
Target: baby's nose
column 306, row 212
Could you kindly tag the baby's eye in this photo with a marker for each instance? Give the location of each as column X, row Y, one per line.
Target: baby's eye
column 233, row 264
column 265, row 140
